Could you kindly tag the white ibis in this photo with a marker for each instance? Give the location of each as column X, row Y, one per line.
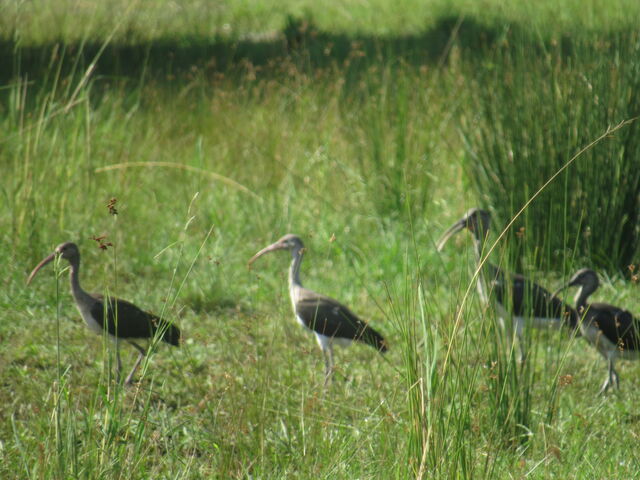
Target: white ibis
column 612, row 331
column 524, row 301
column 331, row 321
column 123, row 319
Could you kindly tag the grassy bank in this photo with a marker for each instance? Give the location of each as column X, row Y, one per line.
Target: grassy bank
column 38, row 22
column 360, row 149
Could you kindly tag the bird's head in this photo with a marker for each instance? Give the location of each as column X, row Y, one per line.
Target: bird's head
column 585, row 278
column 289, row 242
column 476, row 220
column 68, row 250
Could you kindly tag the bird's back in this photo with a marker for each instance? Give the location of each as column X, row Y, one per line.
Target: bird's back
column 617, row 325
column 530, row 299
column 329, row 317
column 125, row 320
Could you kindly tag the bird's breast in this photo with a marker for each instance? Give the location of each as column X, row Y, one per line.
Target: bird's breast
column 301, row 321
column 91, row 322
column 325, row 342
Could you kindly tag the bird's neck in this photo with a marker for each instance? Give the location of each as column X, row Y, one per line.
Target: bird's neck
column 294, row 270
column 488, row 273
column 74, row 278
column 582, row 295
column 479, row 251
column 479, row 239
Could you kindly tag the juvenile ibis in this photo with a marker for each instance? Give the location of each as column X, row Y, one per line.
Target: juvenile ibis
column 524, row 301
column 123, row 319
column 612, row 331
column 331, row 321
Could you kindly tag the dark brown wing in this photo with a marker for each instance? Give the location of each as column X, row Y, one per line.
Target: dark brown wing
column 125, row 320
column 330, row 318
column 529, row 298
column 616, row 324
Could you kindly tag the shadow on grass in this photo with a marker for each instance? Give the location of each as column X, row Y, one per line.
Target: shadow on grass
column 168, row 59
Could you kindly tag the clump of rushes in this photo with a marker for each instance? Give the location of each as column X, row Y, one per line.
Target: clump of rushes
column 535, row 107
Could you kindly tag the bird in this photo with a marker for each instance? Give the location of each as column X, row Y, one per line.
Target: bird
column 516, row 297
column 123, row 320
column 330, row 321
column 614, row 332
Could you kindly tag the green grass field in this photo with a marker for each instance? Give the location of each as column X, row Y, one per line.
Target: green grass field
column 365, row 128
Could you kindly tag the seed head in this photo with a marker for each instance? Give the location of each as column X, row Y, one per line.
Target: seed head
column 112, row 206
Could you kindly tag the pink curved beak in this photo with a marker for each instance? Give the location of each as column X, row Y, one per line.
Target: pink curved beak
column 559, row 290
column 49, row 259
column 451, row 231
column 569, row 284
column 271, row 248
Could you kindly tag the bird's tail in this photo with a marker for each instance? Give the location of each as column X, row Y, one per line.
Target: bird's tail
column 373, row 338
column 171, row 334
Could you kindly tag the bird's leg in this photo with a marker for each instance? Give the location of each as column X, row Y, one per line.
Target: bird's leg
column 143, row 352
column 605, row 386
column 118, row 362
column 118, row 365
column 510, row 330
column 519, row 329
column 610, row 378
column 616, row 379
column 328, row 364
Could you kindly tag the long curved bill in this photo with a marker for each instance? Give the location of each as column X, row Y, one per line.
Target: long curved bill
column 570, row 283
column 451, row 231
column 271, row 248
column 49, row 259
column 557, row 292
column 572, row 322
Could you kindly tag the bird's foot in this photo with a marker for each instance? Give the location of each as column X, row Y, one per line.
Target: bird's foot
column 605, row 387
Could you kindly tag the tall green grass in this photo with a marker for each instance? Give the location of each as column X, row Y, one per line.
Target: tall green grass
column 362, row 161
column 536, row 104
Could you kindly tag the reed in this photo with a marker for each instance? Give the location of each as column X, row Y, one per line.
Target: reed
column 536, row 105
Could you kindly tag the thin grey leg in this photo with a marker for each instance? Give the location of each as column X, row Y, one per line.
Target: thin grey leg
column 328, row 364
column 143, row 352
column 118, row 362
column 509, row 330
column 519, row 326
column 616, row 379
column 611, row 375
